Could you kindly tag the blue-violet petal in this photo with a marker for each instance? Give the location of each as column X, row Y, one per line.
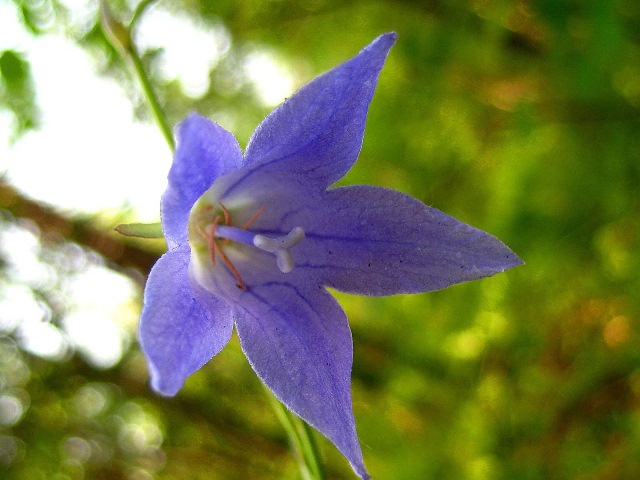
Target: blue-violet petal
column 181, row 328
column 297, row 339
column 375, row 241
column 204, row 152
column 317, row 133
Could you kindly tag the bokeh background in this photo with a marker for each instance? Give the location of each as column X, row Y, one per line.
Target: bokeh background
column 519, row 117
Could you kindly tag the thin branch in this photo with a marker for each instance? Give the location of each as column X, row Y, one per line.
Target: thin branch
column 119, row 253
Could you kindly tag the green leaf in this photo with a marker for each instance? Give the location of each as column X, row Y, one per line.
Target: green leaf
column 13, row 68
column 17, row 93
column 140, row 230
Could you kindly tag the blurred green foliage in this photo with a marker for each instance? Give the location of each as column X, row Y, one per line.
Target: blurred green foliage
column 16, row 91
column 519, row 117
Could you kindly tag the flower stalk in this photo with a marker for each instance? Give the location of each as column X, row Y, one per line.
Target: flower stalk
column 120, row 38
column 150, row 96
column 301, row 439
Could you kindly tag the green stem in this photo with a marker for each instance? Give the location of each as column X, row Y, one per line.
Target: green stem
column 312, row 455
column 152, row 99
column 120, row 38
column 301, row 438
column 140, row 9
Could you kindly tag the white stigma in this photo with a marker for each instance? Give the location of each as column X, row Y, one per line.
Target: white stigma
column 280, row 246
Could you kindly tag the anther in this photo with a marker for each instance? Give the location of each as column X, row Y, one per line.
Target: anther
column 280, row 247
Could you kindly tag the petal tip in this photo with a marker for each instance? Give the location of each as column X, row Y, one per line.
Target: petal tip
column 389, row 37
column 512, row 261
column 383, row 42
column 167, row 387
column 361, row 472
column 193, row 120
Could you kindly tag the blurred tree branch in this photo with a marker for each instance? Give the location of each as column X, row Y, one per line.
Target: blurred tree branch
column 119, row 253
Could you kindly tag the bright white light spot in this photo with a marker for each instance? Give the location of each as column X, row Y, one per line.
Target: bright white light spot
column 18, row 306
column 99, row 288
column 12, row 35
column 96, row 336
column 139, row 431
column 42, row 339
column 89, row 154
column 20, row 311
column 81, row 14
column 271, row 77
column 20, row 248
column 7, row 121
column 90, row 400
column 100, row 314
column 77, row 448
column 11, row 410
column 190, row 49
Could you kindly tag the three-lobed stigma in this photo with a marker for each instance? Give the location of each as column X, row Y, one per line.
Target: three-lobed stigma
column 280, row 247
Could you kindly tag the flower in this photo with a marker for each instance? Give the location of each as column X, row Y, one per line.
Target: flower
column 254, row 239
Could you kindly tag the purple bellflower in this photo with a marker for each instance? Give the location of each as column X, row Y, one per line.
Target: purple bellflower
column 254, row 239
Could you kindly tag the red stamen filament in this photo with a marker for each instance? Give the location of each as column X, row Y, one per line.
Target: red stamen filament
column 212, row 244
column 227, row 215
column 230, row 266
column 253, row 218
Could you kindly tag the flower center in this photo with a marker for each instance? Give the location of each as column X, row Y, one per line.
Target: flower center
column 214, row 228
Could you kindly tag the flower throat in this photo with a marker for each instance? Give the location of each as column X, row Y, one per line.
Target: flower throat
column 213, row 226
